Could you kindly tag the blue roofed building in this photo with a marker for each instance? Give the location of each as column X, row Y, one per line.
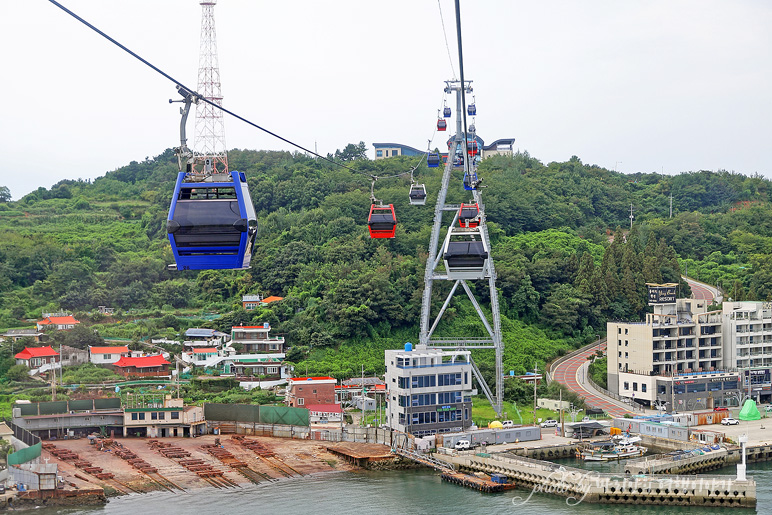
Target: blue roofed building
column 384, row 150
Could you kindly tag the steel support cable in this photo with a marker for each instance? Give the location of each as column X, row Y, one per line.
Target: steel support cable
column 200, row 97
column 463, row 85
column 445, row 34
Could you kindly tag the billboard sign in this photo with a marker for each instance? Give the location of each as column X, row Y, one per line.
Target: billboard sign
column 662, row 294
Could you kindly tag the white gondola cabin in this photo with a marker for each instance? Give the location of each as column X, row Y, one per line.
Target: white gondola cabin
column 465, row 254
column 417, row 194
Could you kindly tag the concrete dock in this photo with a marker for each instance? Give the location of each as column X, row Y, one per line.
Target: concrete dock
column 582, row 485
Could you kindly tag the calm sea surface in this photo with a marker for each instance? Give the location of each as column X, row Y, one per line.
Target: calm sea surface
column 396, row 493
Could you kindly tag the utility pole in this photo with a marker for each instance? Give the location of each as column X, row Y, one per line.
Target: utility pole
column 535, row 380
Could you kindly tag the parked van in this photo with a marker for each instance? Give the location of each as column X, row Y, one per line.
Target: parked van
column 463, row 445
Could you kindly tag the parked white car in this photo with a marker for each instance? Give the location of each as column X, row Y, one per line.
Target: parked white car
column 463, row 445
column 507, row 424
column 729, row 421
column 549, row 423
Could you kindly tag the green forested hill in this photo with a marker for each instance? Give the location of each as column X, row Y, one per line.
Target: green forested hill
column 81, row 244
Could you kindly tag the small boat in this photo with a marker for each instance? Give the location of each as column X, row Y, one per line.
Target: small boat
column 618, row 449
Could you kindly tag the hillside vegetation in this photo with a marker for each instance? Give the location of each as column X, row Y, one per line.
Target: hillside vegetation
column 564, row 265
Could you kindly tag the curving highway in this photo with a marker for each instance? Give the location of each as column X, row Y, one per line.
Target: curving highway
column 702, row 291
column 573, row 374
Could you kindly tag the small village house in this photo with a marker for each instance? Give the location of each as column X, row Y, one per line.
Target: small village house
column 58, row 322
column 107, row 355
column 255, row 339
column 324, row 413
column 167, row 417
column 146, row 366
column 304, row 391
column 34, row 357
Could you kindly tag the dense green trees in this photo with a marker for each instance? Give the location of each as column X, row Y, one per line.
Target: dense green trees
column 564, row 263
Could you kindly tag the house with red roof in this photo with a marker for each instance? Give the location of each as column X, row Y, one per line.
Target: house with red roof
column 59, row 323
column 304, row 391
column 107, row 355
column 146, row 366
column 35, row 357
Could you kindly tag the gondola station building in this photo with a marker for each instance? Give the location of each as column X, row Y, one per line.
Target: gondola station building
column 429, row 390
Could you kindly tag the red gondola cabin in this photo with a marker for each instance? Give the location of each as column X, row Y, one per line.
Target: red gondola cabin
column 469, row 215
column 442, row 125
column 382, row 221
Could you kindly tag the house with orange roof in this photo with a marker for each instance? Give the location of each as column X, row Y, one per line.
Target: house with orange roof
column 34, row 357
column 250, row 302
column 59, row 323
column 146, row 366
column 107, row 355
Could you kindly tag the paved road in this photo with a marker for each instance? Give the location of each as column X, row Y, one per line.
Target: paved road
column 572, row 374
column 703, row 291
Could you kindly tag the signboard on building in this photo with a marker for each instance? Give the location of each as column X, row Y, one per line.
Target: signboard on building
column 662, row 293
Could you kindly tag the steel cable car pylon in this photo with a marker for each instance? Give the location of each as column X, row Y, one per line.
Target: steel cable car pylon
column 487, row 272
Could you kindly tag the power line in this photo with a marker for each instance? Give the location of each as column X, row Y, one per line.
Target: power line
column 202, row 98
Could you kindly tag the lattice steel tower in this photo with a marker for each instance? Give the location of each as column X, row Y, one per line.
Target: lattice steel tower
column 209, row 147
column 434, row 269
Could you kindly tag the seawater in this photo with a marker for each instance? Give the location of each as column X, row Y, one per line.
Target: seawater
column 390, row 492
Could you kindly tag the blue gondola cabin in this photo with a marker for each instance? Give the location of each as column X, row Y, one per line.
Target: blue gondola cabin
column 212, row 225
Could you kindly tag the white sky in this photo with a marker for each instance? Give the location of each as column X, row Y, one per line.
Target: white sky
column 643, row 86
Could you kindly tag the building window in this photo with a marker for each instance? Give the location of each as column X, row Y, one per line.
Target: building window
column 625, row 343
column 134, row 416
column 379, row 153
column 154, row 415
column 175, row 415
column 107, row 356
column 162, row 416
column 301, row 401
column 395, row 152
column 627, row 385
column 625, row 355
column 635, row 387
column 643, row 388
column 625, row 330
column 142, row 416
column 314, row 390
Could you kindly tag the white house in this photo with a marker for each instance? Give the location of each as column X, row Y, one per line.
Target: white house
column 106, row 355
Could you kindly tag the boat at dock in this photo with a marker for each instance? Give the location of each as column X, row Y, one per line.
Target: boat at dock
column 619, row 448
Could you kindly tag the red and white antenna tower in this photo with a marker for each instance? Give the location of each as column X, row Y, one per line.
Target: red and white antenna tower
column 210, row 150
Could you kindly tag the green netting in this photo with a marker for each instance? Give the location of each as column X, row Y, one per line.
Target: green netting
column 82, row 405
column 284, row 415
column 749, row 411
column 232, row 412
column 51, row 408
column 28, row 410
column 114, row 403
column 25, row 455
column 252, row 413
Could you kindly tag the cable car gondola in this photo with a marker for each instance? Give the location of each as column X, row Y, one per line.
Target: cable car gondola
column 465, row 254
column 471, row 110
column 433, row 160
column 212, row 225
column 469, row 215
column 472, row 148
column 446, row 112
column 417, row 194
column 441, row 124
column 382, row 222
column 470, row 180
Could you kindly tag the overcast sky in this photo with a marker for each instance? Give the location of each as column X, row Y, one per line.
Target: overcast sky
column 643, row 86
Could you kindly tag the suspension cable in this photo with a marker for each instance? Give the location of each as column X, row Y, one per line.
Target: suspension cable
column 463, row 85
column 202, row 98
column 447, row 47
